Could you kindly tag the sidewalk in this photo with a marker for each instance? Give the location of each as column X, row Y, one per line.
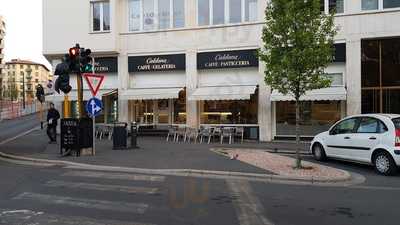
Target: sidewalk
column 154, row 153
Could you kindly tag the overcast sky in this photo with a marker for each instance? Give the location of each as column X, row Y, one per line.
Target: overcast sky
column 23, row 29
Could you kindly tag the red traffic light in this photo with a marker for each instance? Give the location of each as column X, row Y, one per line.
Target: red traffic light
column 73, row 52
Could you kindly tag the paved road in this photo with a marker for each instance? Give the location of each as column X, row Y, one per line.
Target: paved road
column 11, row 128
column 58, row 196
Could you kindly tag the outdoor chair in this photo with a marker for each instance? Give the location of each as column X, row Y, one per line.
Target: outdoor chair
column 191, row 133
column 206, row 132
column 217, row 132
column 239, row 132
column 180, row 132
column 227, row 132
column 172, row 132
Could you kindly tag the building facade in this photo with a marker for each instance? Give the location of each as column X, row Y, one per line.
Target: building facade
column 23, row 76
column 193, row 62
column 2, row 34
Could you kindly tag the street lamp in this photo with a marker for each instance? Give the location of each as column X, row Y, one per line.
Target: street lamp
column 28, row 71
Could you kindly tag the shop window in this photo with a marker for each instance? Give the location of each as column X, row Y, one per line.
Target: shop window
column 315, row 117
column 380, row 84
column 230, row 112
column 100, row 16
column 163, row 111
column 336, row 79
column 143, row 111
column 179, row 110
column 156, row 14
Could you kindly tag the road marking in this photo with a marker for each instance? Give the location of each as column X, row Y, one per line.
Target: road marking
column 18, row 217
column 248, row 208
column 119, row 176
column 103, row 187
column 138, row 208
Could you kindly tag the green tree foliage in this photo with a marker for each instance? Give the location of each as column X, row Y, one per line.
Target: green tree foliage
column 298, row 46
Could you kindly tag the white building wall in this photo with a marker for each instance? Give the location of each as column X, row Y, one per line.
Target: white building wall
column 62, row 31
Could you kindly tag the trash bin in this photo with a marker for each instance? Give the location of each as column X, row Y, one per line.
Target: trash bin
column 120, row 136
column 134, row 134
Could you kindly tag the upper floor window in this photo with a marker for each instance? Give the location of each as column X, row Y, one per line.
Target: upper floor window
column 214, row 12
column 332, row 6
column 336, row 78
column 100, row 16
column 379, row 4
column 156, row 14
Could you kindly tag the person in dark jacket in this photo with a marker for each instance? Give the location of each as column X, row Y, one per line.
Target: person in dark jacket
column 52, row 117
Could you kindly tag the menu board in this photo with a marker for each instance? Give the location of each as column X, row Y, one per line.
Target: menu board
column 69, row 133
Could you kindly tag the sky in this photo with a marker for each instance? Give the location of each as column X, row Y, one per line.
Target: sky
column 23, row 38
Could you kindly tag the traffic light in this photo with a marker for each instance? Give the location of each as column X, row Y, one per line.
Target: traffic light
column 63, row 71
column 86, row 61
column 73, row 58
column 40, row 93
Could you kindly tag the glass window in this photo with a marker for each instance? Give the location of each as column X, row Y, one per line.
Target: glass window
column 235, row 11
column 315, row 117
column 218, row 12
column 369, row 4
column 203, row 12
column 164, row 14
column 180, row 109
column 163, row 111
column 101, row 16
column 250, row 10
column 396, row 122
column 148, row 15
column 322, row 5
column 179, row 13
column 345, row 127
column 368, row 125
column 390, row 59
column 337, row 5
column 134, row 15
column 336, row 78
column 230, row 112
column 370, row 63
column 96, row 16
column 106, row 16
column 391, row 4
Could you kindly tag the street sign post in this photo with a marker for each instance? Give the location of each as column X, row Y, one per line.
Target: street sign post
column 94, row 107
column 94, row 82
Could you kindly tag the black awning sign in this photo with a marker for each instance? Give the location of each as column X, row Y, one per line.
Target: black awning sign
column 157, row 63
column 106, row 65
column 227, row 59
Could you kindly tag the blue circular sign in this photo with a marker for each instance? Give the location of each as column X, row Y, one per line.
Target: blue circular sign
column 94, row 106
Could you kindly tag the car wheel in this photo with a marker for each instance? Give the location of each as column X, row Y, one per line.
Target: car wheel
column 384, row 164
column 319, row 152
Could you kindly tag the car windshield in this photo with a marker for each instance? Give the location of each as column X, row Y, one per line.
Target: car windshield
column 396, row 122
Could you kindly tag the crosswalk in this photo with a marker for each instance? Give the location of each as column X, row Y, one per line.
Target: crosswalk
column 109, row 198
column 98, row 183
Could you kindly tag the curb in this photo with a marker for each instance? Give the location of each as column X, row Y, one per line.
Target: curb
column 347, row 175
column 174, row 172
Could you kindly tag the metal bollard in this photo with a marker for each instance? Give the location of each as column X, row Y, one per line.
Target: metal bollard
column 134, row 133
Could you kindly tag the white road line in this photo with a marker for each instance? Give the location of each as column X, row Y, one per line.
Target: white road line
column 103, row 187
column 118, row 176
column 248, row 208
column 138, row 208
column 18, row 217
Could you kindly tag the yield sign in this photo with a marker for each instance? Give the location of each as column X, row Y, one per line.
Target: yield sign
column 94, row 81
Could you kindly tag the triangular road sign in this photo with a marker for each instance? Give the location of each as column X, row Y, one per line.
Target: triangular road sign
column 94, row 81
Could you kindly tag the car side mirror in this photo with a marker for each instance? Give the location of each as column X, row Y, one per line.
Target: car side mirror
column 332, row 132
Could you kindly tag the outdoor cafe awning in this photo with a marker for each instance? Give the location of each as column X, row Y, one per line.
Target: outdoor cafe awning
column 324, row 94
column 150, row 93
column 238, row 92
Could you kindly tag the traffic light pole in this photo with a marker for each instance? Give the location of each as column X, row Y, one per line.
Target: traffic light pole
column 80, row 93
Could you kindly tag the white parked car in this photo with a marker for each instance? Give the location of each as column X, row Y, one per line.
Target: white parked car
column 369, row 138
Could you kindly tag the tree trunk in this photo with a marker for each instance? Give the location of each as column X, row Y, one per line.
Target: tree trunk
column 298, row 157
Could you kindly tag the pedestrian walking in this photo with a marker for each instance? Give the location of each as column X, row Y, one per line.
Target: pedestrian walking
column 52, row 117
